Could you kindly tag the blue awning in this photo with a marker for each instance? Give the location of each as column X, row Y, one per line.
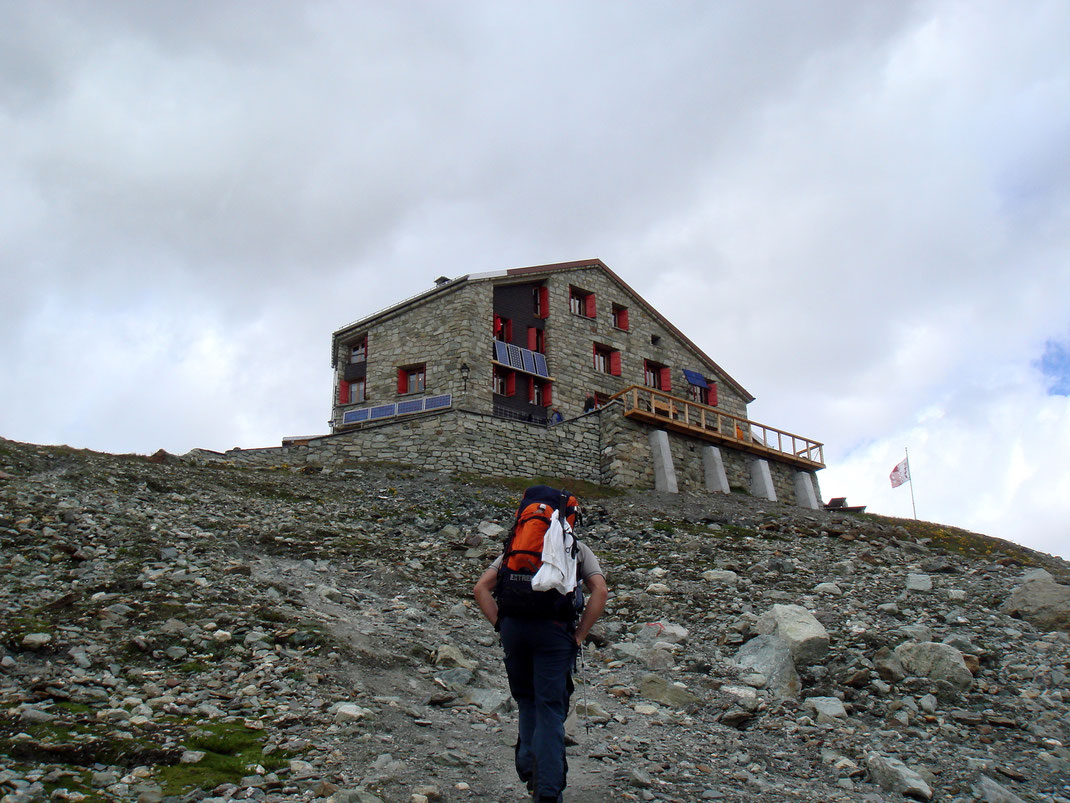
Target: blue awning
column 695, row 378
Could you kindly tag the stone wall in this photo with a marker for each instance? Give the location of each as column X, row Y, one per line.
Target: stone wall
column 442, row 332
column 452, row 440
column 570, row 342
column 601, row 447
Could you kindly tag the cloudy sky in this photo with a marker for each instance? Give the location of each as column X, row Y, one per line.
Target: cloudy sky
column 861, row 210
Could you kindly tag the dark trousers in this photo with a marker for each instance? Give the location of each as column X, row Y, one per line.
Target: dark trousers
column 539, row 656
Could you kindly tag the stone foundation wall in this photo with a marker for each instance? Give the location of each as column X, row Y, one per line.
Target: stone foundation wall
column 601, row 447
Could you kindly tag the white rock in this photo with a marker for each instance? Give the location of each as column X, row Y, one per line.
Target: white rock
column 805, row 636
column 351, row 712
column 893, row 775
column 831, row 707
column 929, row 659
column 35, row 641
column 658, row 588
column 721, row 577
column 919, row 582
column 662, row 631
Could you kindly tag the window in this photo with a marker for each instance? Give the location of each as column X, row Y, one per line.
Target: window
column 700, row 389
column 357, row 391
column 656, row 375
column 536, row 340
column 411, row 379
column 655, row 340
column 359, row 351
column 503, row 329
column 352, row 392
column 504, row 382
column 606, row 360
column 581, row 302
column 620, row 317
column 540, row 393
column 540, row 297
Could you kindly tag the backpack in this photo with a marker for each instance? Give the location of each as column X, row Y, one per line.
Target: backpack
column 522, row 558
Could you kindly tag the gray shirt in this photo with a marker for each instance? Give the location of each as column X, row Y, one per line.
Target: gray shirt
column 587, row 564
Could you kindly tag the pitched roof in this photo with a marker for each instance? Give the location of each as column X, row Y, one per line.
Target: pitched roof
column 535, row 271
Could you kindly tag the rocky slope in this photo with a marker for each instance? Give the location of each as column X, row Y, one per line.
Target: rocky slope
column 185, row 632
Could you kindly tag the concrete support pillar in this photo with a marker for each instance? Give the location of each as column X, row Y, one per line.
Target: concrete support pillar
column 713, row 468
column 761, row 481
column 664, row 473
column 804, row 490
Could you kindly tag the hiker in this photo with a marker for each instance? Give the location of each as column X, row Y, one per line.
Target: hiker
column 556, row 417
column 589, row 403
column 541, row 630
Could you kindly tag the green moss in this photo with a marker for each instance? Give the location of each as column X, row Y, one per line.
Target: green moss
column 231, row 752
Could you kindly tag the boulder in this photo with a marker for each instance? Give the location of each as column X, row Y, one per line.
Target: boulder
column 805, row 636
column 661, row 691
column 928, row 659
column 1043, row 603
column 770, row 656
column 893, row 775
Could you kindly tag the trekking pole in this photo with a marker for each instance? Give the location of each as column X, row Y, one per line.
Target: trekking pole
column 583, row 680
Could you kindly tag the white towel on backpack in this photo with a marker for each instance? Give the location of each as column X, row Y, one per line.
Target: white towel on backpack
column 558, row 570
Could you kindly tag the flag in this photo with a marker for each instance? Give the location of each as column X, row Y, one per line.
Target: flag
column 900, row 474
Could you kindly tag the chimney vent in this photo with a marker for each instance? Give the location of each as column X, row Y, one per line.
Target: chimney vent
column 441, row 280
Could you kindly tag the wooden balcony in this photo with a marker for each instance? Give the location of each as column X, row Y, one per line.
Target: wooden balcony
column 665, row 411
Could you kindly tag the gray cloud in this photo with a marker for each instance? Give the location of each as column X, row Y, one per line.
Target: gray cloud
column 860, row 210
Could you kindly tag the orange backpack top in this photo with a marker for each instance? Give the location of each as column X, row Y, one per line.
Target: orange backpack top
column 523, row 552
column 522, row 558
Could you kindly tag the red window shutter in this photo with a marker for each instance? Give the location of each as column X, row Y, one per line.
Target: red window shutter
column 510, row 384
column 544, row 302
column 666, row 379
column 547, row 394
column 532, row 343
column 403, row 381
column 531, row 390
column 622, row 318
column 713, row 395
column 588, row 303
column 497, row 325
column 343, row 392
column 614, row 363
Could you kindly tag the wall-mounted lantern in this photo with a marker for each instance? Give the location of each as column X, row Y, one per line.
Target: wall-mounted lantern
column 464, row 376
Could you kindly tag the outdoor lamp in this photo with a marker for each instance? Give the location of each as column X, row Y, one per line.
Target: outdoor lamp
column 464, row 376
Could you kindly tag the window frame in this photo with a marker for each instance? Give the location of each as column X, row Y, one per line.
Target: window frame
column 406, row 376
column 606, row 359
column 620, row 317
column 362, row 344
column 582, row 303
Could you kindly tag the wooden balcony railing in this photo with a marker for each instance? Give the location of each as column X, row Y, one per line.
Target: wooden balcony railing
column 664, row 410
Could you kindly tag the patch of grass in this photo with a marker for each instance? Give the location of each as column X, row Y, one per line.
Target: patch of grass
column 231, row 752
column 960, row 542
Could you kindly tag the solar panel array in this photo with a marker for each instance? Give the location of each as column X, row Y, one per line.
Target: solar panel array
column 531, row 362
column 383, row 411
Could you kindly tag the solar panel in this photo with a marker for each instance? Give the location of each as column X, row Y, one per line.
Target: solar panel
column 410, row 406
column 540, row 364
column 501, row 354
column 529, row 360
column 382, row 411
column 355, row 416
column 515, row 360
column 437, row 402
column 695, row 378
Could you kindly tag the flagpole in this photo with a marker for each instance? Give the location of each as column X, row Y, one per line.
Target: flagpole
column 910, row 479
